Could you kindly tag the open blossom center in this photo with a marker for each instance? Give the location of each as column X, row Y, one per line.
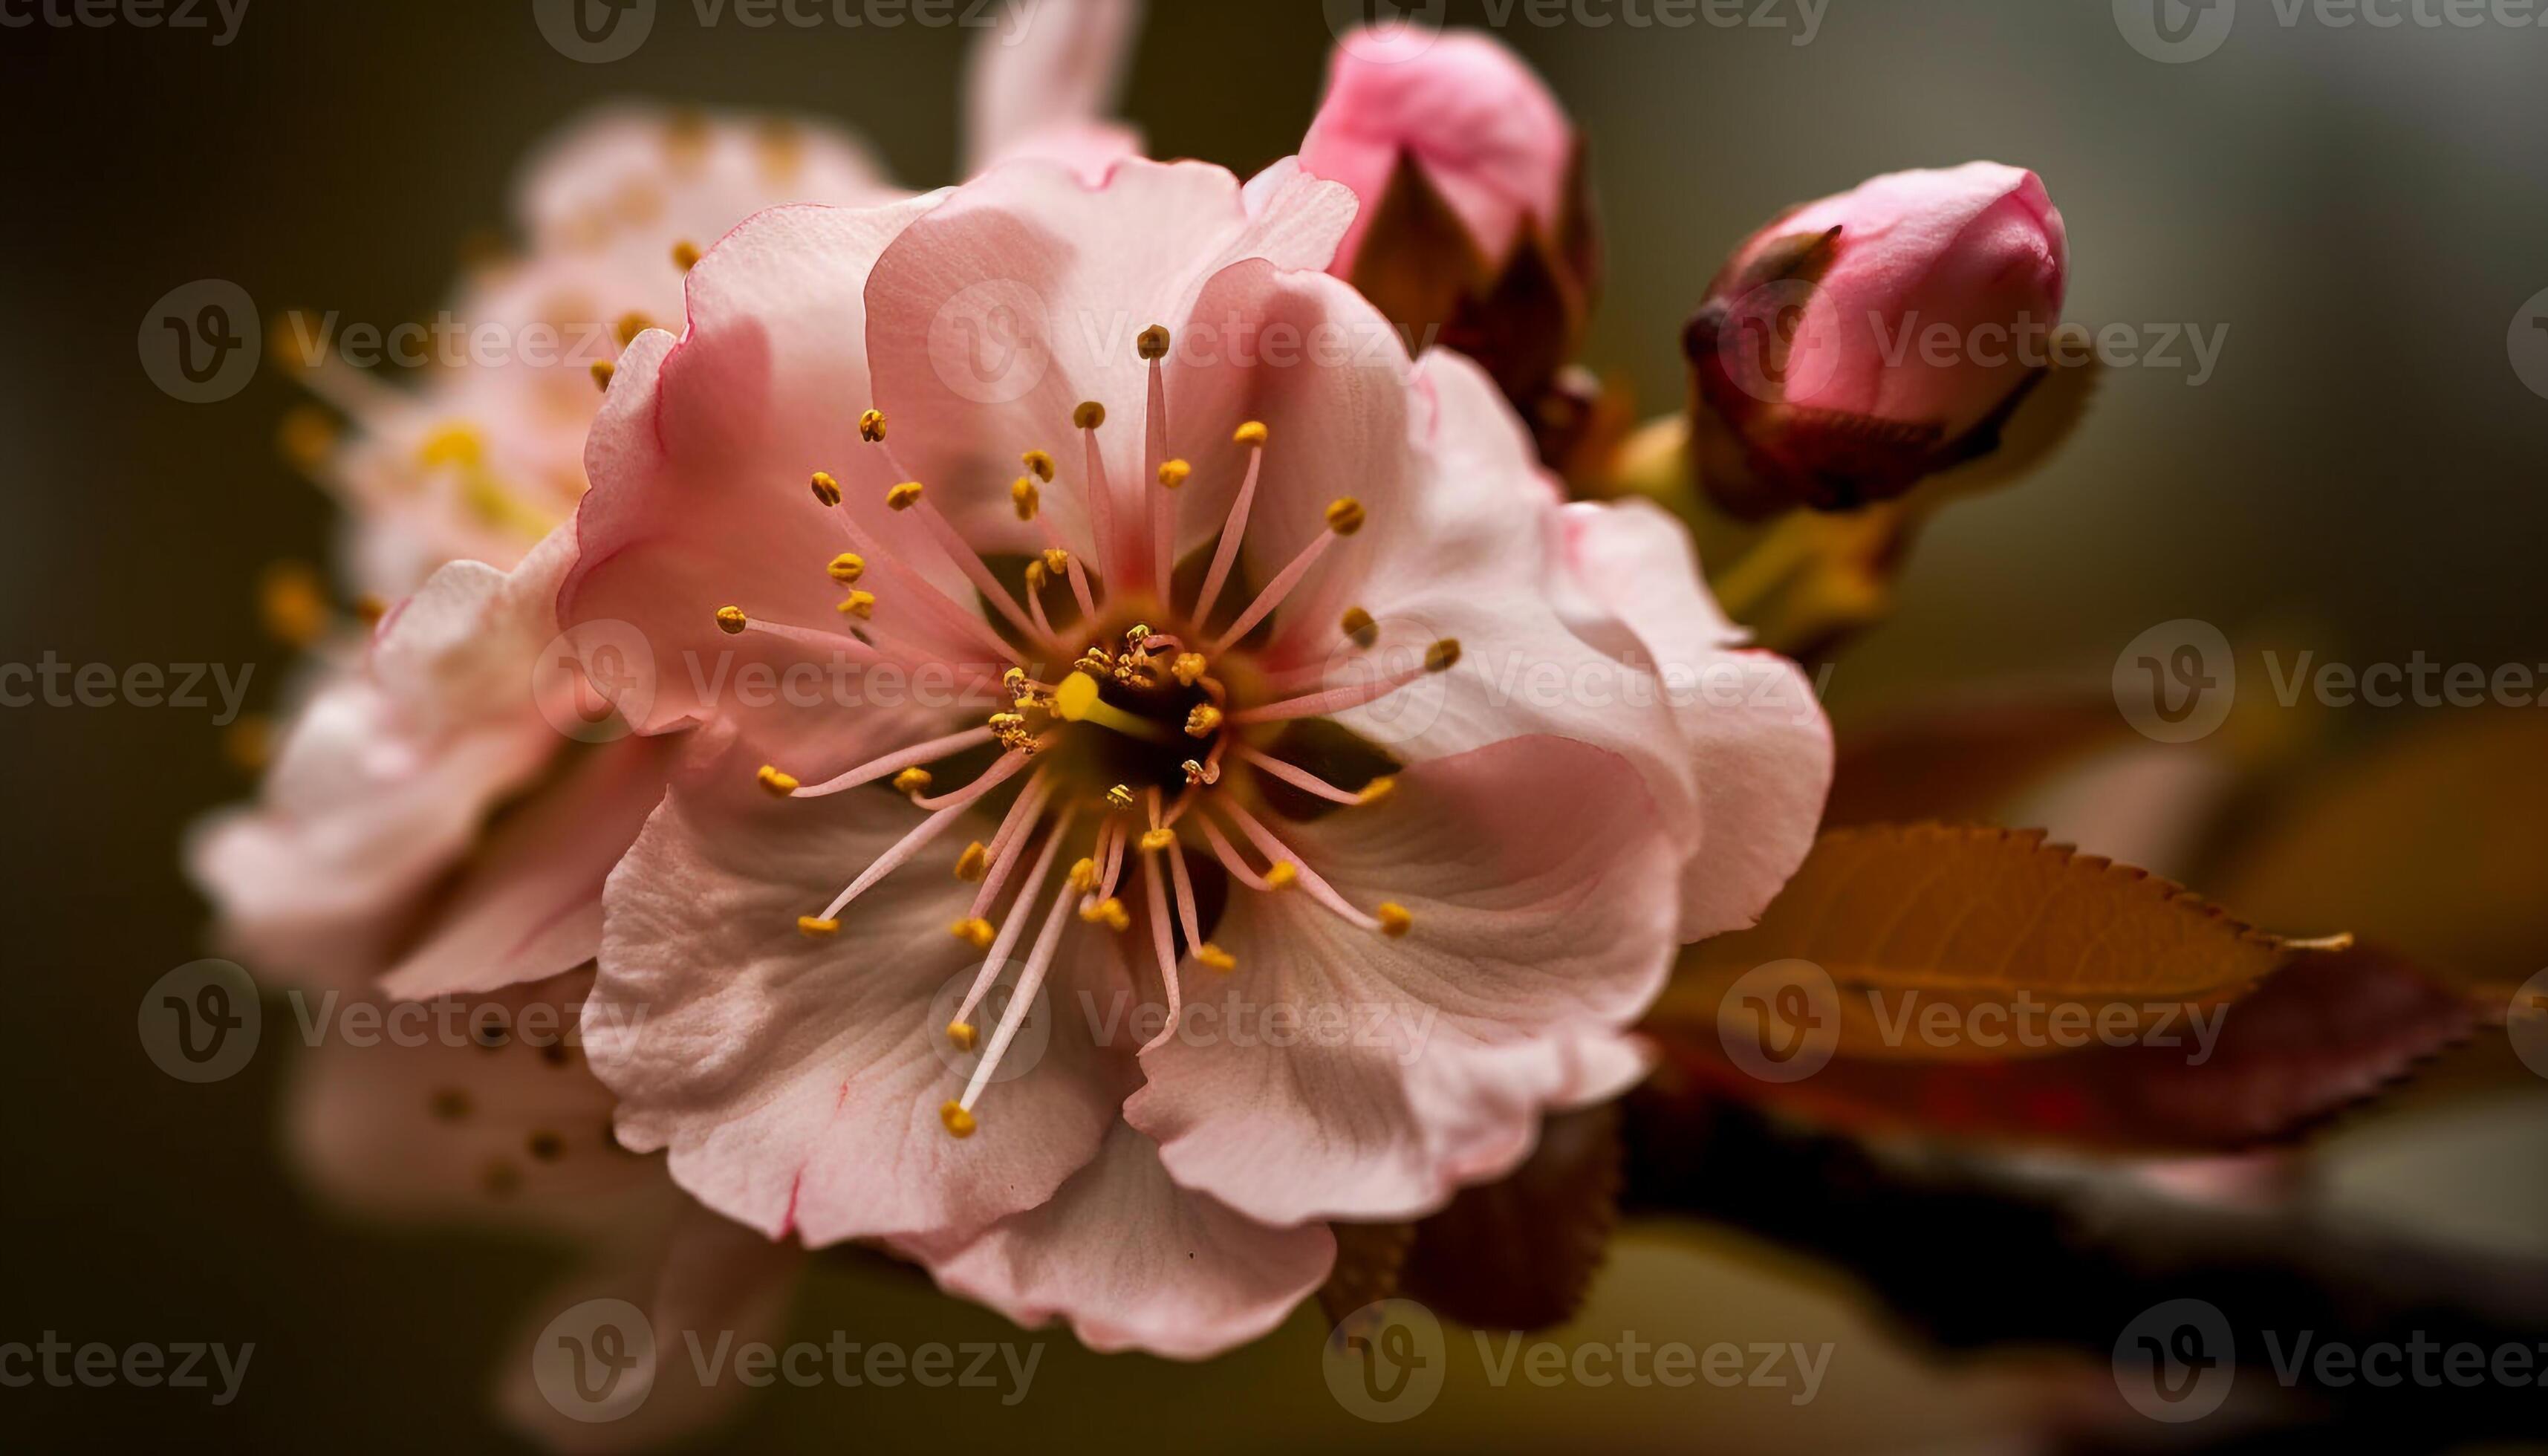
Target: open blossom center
column 1115, row 750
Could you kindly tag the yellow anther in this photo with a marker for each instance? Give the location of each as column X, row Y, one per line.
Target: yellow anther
column 912, row 781
column 1216, row 957
column 826, row 488
column 369, row 610
column 1187, row 668
column 686, row 255
column 1174, row 473
column 1109, row 913
column 1282, row 875
column 1037, row 575
column 1013, row 679
column 905, row 496
column 847, row 567
column 815, row 927
column 1203, row 721
column 1378, row 789
column 860, row 604
column 632, row 324
column 973, row 863
column 1083, row 876
column 781, row 784
column 974, row 931
column 1037, row 464
column 1120, row 796
column 1198, row 774
column 1251, row 433
column 1359, row 627
column 602, row 370
column 1394, row 922
column 1442, row 655
column 453, row 444
column 731, row 620
column 959, row 1123
column 871, row 427
column 1140, row 634
column 962, row 1034
column 1056, row 560
column 1344, row 515
column 1090, row 416
column 1154, row 343
column 1025, row 497
column 1155, row 840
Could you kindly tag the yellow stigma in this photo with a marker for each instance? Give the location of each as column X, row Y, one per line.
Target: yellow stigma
column 1203, row 721
column 1056, row 560
column 1378, row 789
column 1075, row 698
column 860, row 604
column 905, row 496
column 1037, row 464
column 1120, row 796
column 1083, row 876
column 847, row 567
column 871, row 427
column 815, row 928
column 1154, row 343
column 731, row 620
column 973, row 863
column 1442, row 655
column 1174, row 474
column 959, row 1123
column 826, row 488
column 1251, row 433
column 1216, row 957
column 1344, row 515
column 962, row 1034
column 1282, row 874
column 1089, row 415
column 912, row 781
column 781, row 784
column 602, row 370
column 1109, row 913
column 1025, row 497
column 1155, row 840
column 686, row 255
column 1394, row 922
column 1187, row 668
column 1359, row 628
column 1076, row 702
column 632, row 324
column 974, row 931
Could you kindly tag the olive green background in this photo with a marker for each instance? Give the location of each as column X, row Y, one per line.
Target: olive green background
column 2366, row 211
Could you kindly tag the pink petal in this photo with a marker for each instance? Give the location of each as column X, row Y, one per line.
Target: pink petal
column 1541, row 885
column 1135, row 1262
column 1057, row 66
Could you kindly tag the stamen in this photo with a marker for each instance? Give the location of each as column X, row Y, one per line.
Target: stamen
column 817, row 929
column 1344, row 517
column 1234, row 530
column 602, row 370
column 959, row 1123
column 1164, row 946
column 1438, row 658
column 1037, row 464
column 1011, row 841
column 826, row 488
column 686, row 255
column 871, row 427
column 973, row 863
column 1359, row 628
column 1231, row 861
column 860, row 604
column 904, row 496
column 1109, row 913
column 781, row 784
column 974, row 931
column 1021, row 1001
column 1394, row 921
column 1318, row 890
column 1301, row 778
column 895, row 763
column 1153, row 347
column 1203, row 721
column 731, row 620
column 998, row 774
column 1089, row 418
column 998, row 955
column 962, row 557
column 631, row 325
column 1024, row 496
column 846, row 567
column 911, row 588
column 928, row 829
column 912, row 782
column 1188, row 667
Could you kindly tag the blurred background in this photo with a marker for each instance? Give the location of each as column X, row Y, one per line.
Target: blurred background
column 2364, row 212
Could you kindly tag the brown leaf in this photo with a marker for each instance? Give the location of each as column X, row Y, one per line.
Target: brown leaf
column 1520, row 1253
column 2325, row 1033
column 1933, row 916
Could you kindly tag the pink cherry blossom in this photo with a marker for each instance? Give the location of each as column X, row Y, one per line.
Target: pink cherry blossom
column 1164, row 508
column 1484, row 130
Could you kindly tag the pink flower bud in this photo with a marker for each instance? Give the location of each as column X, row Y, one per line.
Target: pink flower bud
column 1862, row 343
column 1485, row 132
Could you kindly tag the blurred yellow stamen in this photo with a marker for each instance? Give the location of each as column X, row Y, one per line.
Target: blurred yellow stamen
column 815, row 927
column 731, row 620
column 1216, row 957
column 781, row 784
column 1345, row 515
column 973, row 863
column 912, row 781
column 1394, row 922
column 959, row 1123
column 974, row 931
